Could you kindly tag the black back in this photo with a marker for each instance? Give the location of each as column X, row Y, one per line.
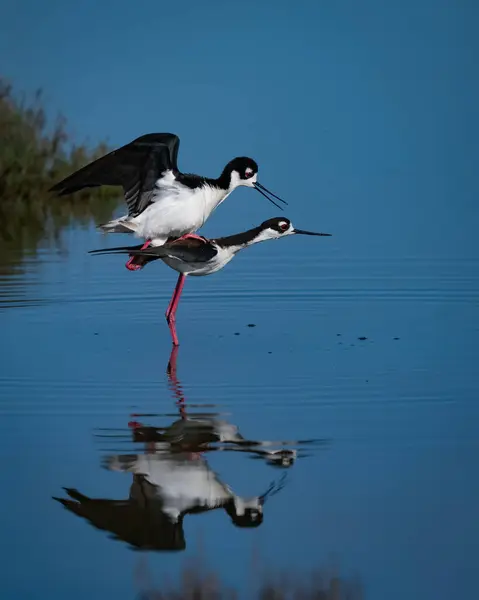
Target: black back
column 191, row 250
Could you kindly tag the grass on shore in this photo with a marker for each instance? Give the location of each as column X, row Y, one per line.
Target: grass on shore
column 199, row 583
column 33, row 156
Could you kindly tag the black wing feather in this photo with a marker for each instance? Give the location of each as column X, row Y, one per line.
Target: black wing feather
column 138, row 521
column 188, row 253
column 136, row 167
column 190, row 250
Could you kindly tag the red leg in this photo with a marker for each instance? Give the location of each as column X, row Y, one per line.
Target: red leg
column 171, row 310
column 173, row 297
column 191, row 235
column 168, row 310
column 130, row 265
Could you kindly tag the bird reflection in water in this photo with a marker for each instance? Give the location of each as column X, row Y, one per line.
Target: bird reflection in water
column 172, row 479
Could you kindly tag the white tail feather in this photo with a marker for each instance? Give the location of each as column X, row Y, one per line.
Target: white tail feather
column 121, row 225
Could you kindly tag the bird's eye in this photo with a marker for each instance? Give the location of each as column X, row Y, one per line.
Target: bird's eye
column 283, row 226
column 248, row 173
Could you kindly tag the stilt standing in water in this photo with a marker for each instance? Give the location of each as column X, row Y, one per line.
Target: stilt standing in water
column 162, row 202
column 202, row 256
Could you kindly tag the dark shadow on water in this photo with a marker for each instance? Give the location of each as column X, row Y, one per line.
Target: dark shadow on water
column 28, row 229
column 172, row 478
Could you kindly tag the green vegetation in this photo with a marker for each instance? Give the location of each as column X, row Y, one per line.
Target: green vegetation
column 33, row 156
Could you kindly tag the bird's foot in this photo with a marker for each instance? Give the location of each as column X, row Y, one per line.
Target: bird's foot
column 134, row 264
column 192, row 236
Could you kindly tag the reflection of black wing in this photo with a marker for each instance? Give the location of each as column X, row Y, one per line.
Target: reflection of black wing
column 189, row 250
column 136, row 167
column 138, row 521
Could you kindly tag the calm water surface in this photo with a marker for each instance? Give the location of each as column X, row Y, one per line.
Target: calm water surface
column 351, row 378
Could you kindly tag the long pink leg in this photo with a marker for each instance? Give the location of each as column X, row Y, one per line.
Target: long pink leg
column 170, row 305
column 171, row 310
column 130, row 265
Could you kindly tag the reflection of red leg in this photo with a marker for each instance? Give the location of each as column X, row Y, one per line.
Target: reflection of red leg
column 175, row 384
column 130, row 265
column 171, row 369
column 173, row 305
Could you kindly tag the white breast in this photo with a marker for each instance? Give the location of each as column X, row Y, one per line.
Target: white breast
column 177, row 209
column 182, row 484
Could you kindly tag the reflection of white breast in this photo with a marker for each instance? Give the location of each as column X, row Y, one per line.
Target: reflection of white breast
column 226, row 432
column 182, row 483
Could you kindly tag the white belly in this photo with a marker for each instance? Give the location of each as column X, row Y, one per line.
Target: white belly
column 182, row 483
column 179, row 212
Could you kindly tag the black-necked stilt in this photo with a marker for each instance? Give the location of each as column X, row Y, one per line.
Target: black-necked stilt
column 166, row 487
column 170, row 480
column 162, row 202
column 201, row 256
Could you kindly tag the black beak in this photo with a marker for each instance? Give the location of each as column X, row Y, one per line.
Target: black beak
column 273, row 489
column 264, row 191
column 308, row 232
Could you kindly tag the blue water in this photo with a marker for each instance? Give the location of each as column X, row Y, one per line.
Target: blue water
column 385, row 489
column 363, row 116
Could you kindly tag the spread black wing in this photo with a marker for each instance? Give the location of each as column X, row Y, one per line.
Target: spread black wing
column 190, row 250
column 136, row 167
column 138, row 521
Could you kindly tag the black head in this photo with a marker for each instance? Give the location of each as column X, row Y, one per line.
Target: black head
column 281, row 226
column 243, row 170
column 251, row 517
column 246, row 169
column 282, row 459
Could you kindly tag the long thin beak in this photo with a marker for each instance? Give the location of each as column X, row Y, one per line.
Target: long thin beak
column 274, row 488
column 308, row 232
column 264, row 191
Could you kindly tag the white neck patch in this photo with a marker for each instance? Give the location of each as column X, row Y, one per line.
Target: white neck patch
column 236, row 181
